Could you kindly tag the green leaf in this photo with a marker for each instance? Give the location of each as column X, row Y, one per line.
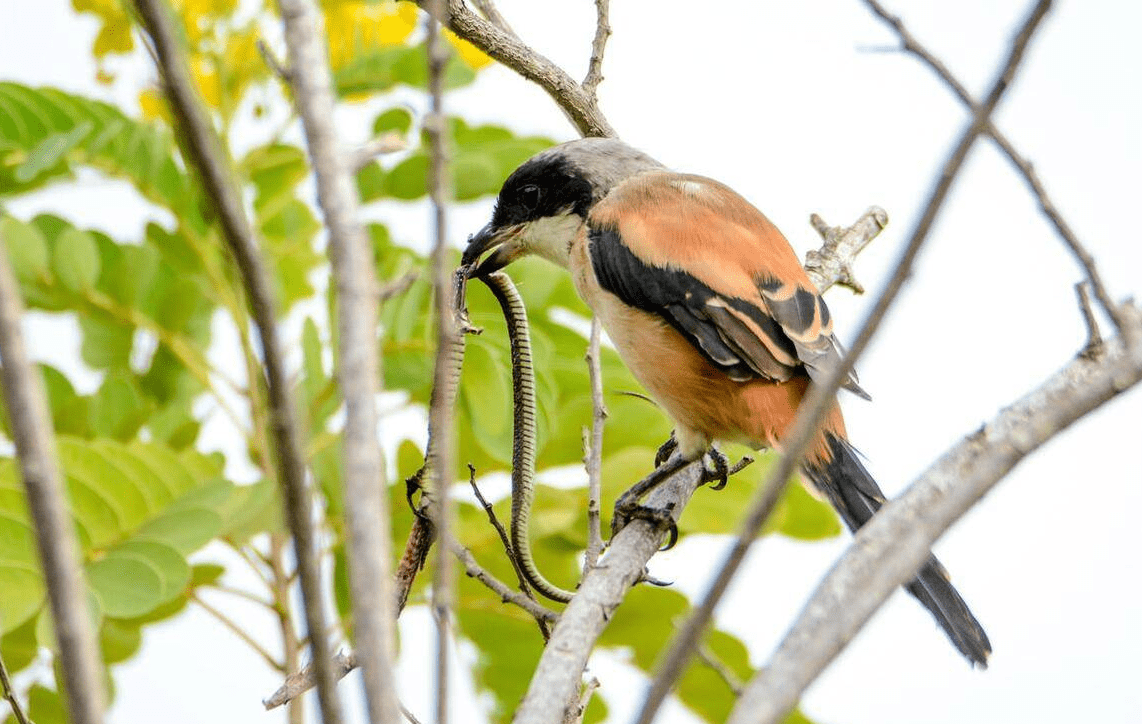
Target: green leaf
column 50, row 151
column 408, row 179
column 127, row 586
column 45, row 706
column 106, row 342
column 27, row 250
column 75, row 260
column 394, row 119
column 118, row 409
column 69, row 410
column 23, row 594
column 185, row 530
column 18, row 647
column 119, row 640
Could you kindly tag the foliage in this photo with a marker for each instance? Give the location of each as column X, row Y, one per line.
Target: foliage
column 145, row 498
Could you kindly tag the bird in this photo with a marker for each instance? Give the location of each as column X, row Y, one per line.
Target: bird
column 708, row 306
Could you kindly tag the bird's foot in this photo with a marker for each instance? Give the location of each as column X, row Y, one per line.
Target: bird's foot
column 647, row 578
column 719, row 470
column 627, row 510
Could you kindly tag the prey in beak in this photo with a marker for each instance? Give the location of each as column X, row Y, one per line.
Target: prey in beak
column 491, row 249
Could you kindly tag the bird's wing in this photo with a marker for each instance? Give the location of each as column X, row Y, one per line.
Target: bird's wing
column 692, row 251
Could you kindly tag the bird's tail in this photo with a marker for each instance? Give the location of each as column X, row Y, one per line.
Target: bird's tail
column 856, row 496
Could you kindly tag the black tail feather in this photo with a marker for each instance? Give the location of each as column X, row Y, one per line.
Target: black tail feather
column 856, row 496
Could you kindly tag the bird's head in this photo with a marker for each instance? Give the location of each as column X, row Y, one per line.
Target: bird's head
column 543, row 204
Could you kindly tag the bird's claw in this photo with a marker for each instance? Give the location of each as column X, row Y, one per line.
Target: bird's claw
column 719, row 472
column 661, row 518
column 647, row 578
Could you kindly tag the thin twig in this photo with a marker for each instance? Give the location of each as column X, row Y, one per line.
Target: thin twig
column 204, row 152
column 397, row 286
column 721, row 668
column 889, row 550
column 240, row 632
column 821, row 396
column 10, row 695
column 31, row 425
column 1094, row 337
column 441, row 412
column 273, row 63
column 368, row 521
column 602, row 32
column 505, row 47
column 1026, row 169
column 575, row 716
column 382, row 145
column 505, row 540
column 594, row 451
column 488, row 9
column 474, row 570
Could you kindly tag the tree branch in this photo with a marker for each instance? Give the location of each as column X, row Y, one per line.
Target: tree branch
column 205, row 154
column 367, row 519
column 821, row 396
column 31, row 425
column 504, row 46
column 1026, row 169
column 602, row 32
column 594, row 451
column 894, row 544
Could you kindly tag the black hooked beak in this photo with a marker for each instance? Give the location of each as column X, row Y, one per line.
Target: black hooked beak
column 502, row 242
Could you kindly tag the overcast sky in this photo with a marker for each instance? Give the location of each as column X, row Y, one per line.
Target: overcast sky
column 790, row 103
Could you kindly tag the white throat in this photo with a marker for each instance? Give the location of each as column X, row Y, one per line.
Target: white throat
column 551, row 236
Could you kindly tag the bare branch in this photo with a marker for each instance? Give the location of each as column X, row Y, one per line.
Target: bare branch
column 297, row 684
column 398, row 286
column 598, row 45
column 506, row 594
column 721, row 668
column 575, row 716
column 821, row 396
column 367, row 519
column 205, row 154
column 6, row 684
column 893, row 545
column 502, row 45
column 594, row 451
column 833, row 263
column 271, row 62
column 441, row 409
column 31, row 425
column 1080, row 252
column 505, row 540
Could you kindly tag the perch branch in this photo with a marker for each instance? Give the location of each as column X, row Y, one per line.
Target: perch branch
column 820, row 397
column 1094, row 337
column 368, row 521
column 31, row 425
column 205, row 154
column 892, row 546
column 1026, row 169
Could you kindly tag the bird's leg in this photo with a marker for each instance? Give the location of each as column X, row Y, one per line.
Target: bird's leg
column 627, row 507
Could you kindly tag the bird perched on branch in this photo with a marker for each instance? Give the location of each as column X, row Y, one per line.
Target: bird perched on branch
column 709, row 307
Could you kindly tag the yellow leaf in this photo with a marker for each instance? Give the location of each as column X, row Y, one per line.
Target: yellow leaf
column 206, row 78
column 152, row 104
column 472, row 56
column 113, row 37
column 357, row 25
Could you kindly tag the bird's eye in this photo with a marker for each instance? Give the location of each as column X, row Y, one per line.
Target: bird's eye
column 529, row 196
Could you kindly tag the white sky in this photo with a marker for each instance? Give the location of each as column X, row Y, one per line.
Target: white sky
column 783, row 101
